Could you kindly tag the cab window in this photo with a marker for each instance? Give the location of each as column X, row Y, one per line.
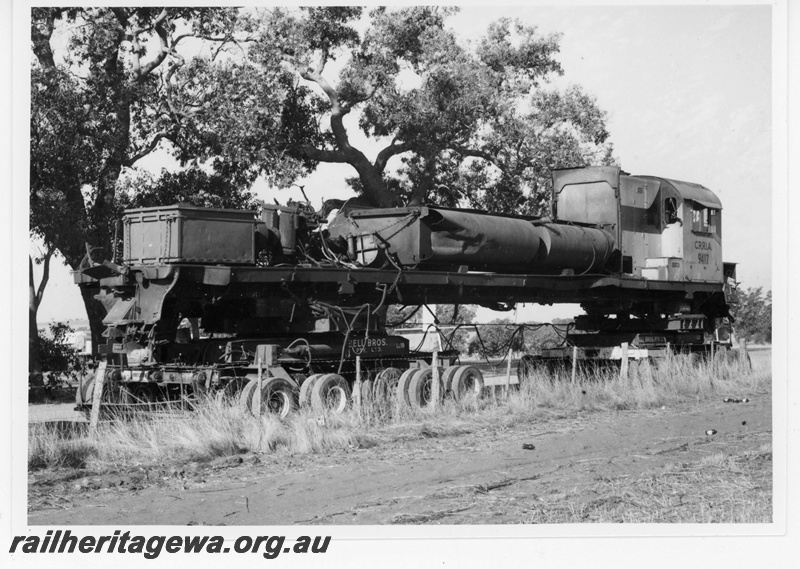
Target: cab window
column 705, row 219
column 671, row 211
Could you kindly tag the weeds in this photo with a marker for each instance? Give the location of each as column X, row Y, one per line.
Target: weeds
column 221, row 428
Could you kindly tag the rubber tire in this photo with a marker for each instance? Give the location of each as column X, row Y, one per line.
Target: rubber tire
column 461, row 377
column 138, row 394
column 233, row 388
column 245, row 398
column 402, row 386
column 274, row 390
column 422, row 385
column 447, row 377
column 367, row 393
column 320, row 393
column 386, row 384
column 199, row 387
column 85, row 392
column 305, row 389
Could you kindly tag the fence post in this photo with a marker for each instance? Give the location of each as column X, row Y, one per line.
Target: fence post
column 574, row 363
column 743, row 351
column 99, row 380
column 508, row 371
column 435, row 387
column 256, row 408
column 623, row 372
column 358, row 385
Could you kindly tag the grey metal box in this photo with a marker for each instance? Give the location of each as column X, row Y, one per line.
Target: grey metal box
column 188, row 234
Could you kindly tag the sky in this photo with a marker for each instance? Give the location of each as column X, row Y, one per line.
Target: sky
column 688, row 91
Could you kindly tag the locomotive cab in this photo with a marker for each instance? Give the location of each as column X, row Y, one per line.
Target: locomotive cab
column 667, row 230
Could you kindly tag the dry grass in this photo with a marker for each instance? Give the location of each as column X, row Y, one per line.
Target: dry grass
column 220, row 428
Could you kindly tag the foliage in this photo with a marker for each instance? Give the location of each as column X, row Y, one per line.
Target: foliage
column 462, row 124
column 496, row 339
column 192, row 186
column 752, row 309
column 58, row 357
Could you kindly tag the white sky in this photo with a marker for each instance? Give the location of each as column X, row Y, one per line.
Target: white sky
column 688, row 93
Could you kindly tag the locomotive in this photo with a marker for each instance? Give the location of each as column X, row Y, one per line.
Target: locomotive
column 285, row 307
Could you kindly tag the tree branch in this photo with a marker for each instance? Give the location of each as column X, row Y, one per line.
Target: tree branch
column 147, row 149
column 162, row 54
column 41, row 32
column 392, row 150
column 478, row 154
column 325, row 155
column 45, row 276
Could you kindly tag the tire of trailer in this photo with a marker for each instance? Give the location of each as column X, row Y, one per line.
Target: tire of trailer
column 86, row 392
column 305, row 389
column 367, row 392
column 278, row 396
column 199, row 384
column 386, row 384
column 138, row 394
column 233, row 388
column 330, row 393
column 420, row 389
column 447, row 377
column 402, row 386
column 467, row 381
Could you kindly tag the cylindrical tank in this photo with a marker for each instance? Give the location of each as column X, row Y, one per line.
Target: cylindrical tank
column 445, row 239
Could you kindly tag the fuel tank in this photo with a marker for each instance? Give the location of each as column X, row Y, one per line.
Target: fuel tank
column 440, row 238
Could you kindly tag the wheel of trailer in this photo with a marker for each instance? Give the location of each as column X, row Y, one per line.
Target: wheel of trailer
column 467, row 381
column 420, row 389
column 233, row 388
column 447, row 376
column 367, row 393
column 86, row 391
column 278, row 396
column 386, row 384
column 402, row 385
column 305, row 389
column 330, row 393
column 140, row 395
column 199, row 384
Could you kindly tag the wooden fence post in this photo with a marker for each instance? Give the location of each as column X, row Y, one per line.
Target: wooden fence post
column 358, row 385
column 435, row 387
column 574, row 363
column 623, row 371
column 508, row 371
column 256, row 410
column 99, row 380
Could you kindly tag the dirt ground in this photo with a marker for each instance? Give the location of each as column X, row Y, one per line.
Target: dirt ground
column 494, row 475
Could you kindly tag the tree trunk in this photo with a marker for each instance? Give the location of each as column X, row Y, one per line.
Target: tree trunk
column 35, row 295
column 95, row 312
column 34, row 361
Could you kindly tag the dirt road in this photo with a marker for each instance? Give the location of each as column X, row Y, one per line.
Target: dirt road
column 482, row 477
